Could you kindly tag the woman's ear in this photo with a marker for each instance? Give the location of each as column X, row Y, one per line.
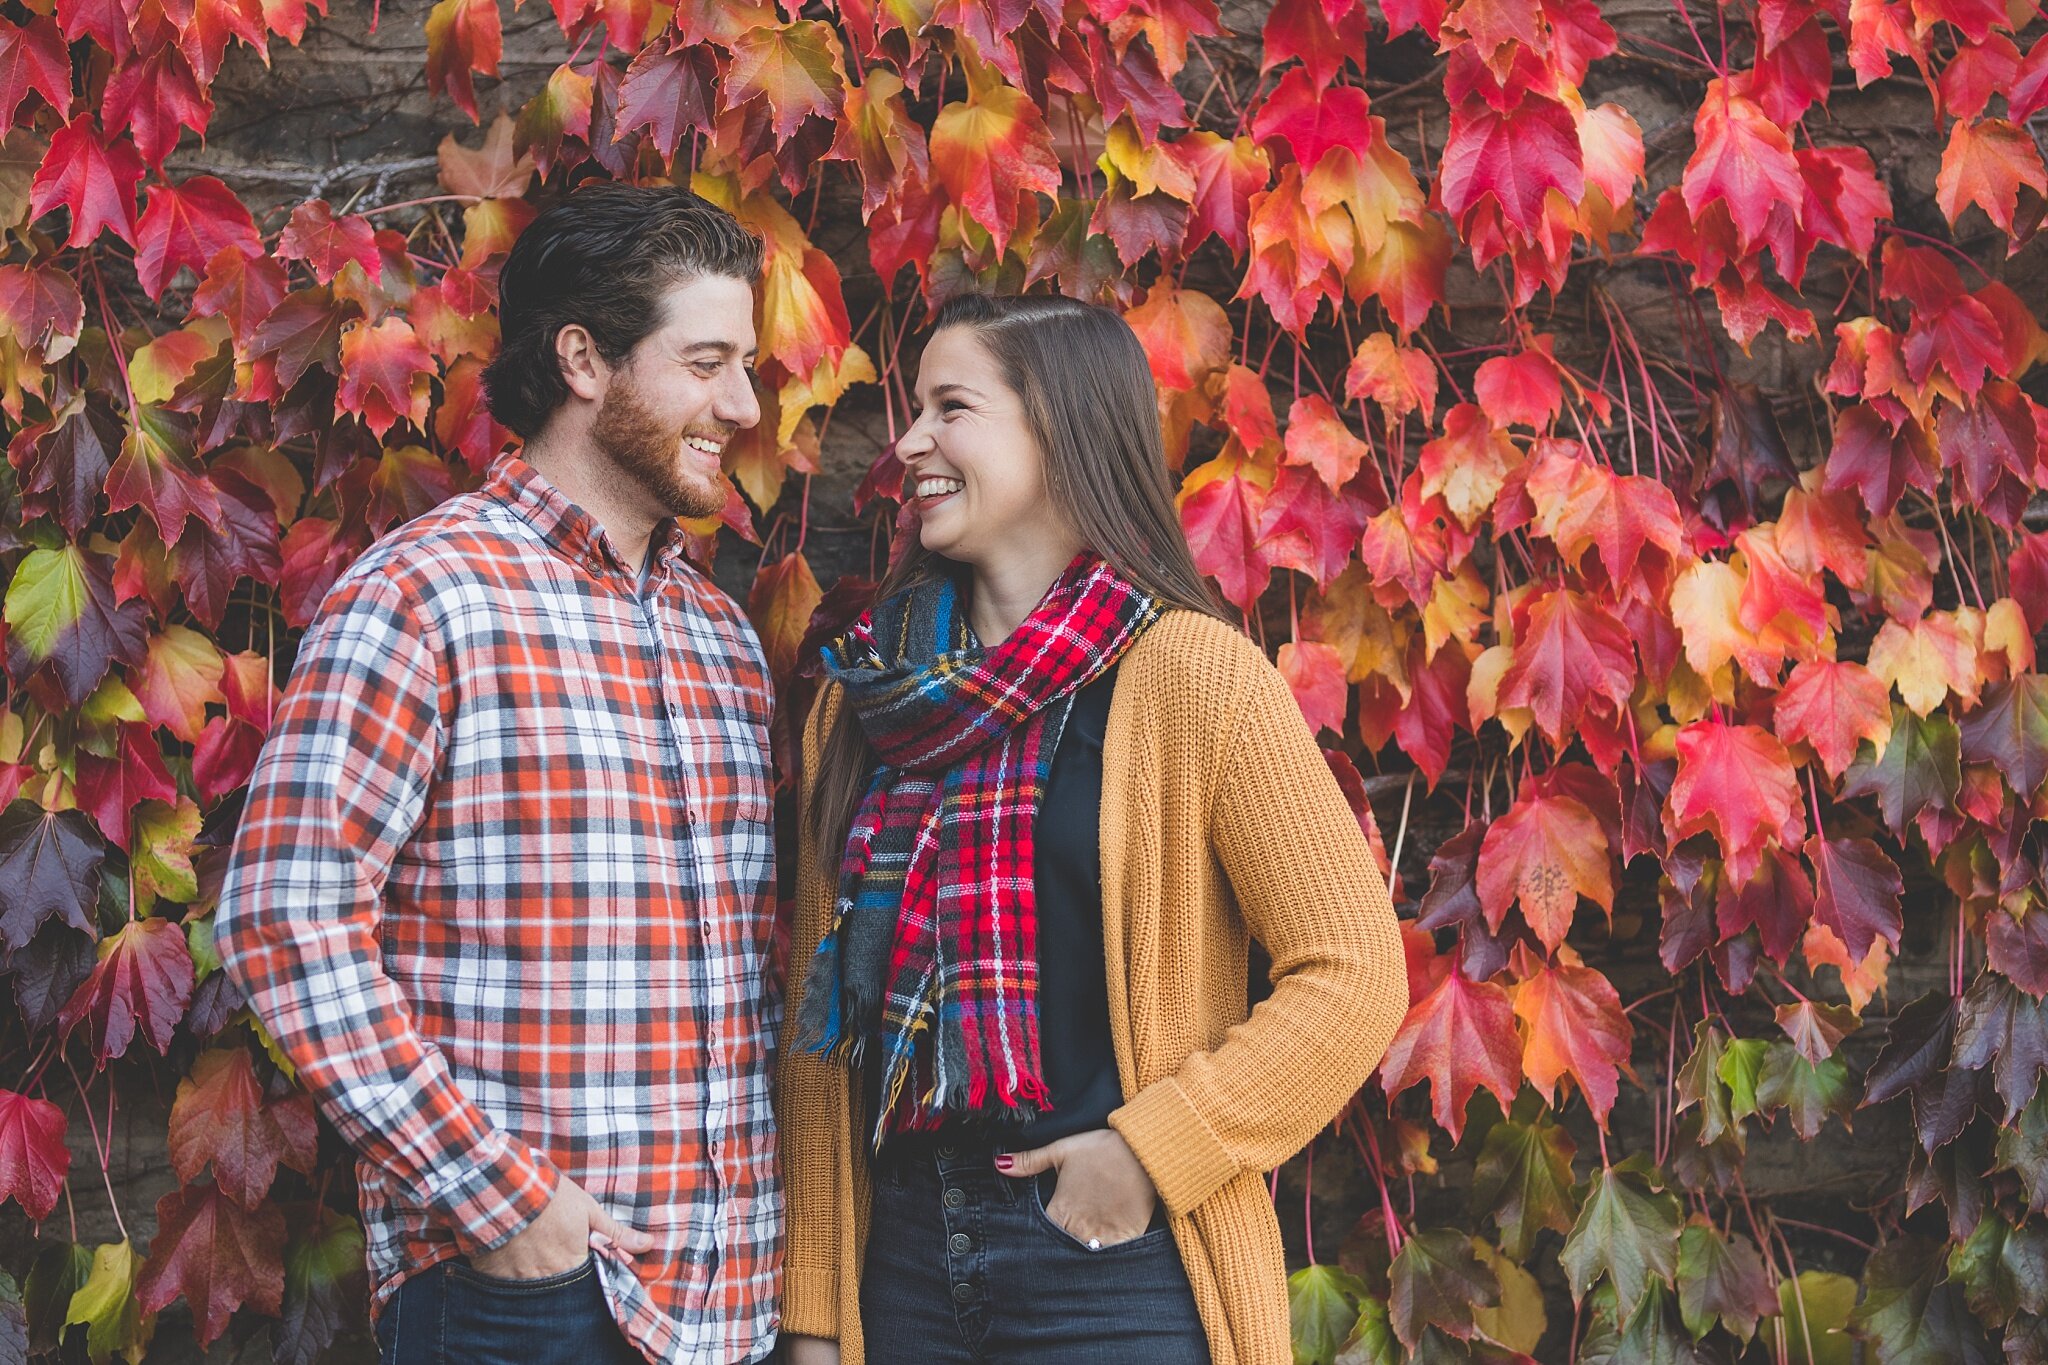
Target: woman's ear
column 583, row 369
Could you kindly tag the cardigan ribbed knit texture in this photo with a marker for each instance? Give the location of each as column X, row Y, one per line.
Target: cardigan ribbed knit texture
column 1220, row 823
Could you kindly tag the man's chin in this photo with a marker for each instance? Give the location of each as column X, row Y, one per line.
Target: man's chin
column 693, row 499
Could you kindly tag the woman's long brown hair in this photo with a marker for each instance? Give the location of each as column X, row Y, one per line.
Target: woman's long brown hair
column 1089, row 400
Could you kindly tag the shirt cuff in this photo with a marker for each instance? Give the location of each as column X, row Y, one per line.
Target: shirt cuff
column 1175, row 1145
column 493, row 1192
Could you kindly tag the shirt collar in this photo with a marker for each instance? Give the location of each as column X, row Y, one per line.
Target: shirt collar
column 568, row 529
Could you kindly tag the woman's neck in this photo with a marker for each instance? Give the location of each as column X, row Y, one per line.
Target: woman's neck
column 1007, row 590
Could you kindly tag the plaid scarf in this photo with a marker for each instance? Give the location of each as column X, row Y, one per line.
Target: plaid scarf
column 932, row 958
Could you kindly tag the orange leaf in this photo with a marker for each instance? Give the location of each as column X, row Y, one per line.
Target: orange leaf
column 384, row 372
column 989, row 151
column 796, row 67
column 1544, row 854
column 1400, row 379
column 1833, row 706
column 1574, row 1026
column 1987, row 163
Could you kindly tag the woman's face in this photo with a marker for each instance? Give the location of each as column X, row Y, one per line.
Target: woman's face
column 972, row 466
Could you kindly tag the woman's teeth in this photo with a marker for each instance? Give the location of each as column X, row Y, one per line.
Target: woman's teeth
column 936, row 488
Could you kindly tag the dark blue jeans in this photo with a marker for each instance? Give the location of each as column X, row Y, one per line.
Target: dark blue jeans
column 451, row 1314
column 963, row 1265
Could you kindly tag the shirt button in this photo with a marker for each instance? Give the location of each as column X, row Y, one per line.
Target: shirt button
column 956, row 1199
column 962, row 1244
column 963, row 1292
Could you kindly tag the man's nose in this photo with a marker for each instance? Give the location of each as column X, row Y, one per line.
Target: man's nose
column 737, row 403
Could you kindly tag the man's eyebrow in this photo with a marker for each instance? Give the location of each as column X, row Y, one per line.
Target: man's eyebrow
column 721, row 347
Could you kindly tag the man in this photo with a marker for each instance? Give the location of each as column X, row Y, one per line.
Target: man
column 502, row 890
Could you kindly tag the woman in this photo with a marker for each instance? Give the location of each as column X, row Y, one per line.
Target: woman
column 1024, row 1105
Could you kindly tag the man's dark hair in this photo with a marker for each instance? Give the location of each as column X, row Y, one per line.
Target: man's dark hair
column 602, row 259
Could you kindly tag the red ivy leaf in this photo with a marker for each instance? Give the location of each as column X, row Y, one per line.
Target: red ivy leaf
column 1459, row 1037
column 142, row 980
column 94, row 180
column 221, row 1115
column 189, row 225
column 33, row 59
column 1737, row 783
column 217, row 1254
column 33, row 1157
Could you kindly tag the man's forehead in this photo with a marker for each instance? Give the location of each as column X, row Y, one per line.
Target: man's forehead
column 711, row 311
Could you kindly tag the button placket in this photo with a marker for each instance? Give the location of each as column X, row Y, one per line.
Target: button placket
column 966, row 1242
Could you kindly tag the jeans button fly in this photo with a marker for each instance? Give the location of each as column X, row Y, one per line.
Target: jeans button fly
column 963, row 1292
column 948, row 1152
column 955, row 1198
column 962, row 1244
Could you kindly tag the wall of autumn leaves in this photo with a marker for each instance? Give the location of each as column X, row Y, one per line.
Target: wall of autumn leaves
column 1641, row 494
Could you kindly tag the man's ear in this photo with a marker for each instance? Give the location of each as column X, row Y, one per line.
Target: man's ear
column 583, row 369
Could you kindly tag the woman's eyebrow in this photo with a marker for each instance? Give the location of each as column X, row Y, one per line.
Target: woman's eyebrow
column 942, row 390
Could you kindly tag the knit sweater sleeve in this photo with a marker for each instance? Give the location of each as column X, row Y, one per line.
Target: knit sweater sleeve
column 810, row 1102
column 1311, row 893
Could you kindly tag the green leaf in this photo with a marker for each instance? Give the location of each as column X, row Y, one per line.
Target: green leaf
column 1372, row 1340
column 199, row 942
column 1816, row 1309
column 59, row 1269
column 1808, row 1093
column 2010, row 728
column 1523, row 1179
column 1436, row 1282
column 1322, row 1305
column 60, row 606
column 162, row 858
column 2002, row 1269
column 105, row 1303
column 1721, row 1279
column 1920, row 768
column 325, row 1289
column 1654, row 1336
column 1700, row 1083
column 2023, row 1150
column 1626, row 1231
column 1741, row 1060
column 13, row 1321
column 1912, row 1314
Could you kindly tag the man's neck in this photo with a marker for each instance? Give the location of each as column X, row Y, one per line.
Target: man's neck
column 587, row 479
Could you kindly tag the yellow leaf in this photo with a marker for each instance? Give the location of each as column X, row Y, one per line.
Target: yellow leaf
column 105, row 1303
column 824, row 387
column 1929, row 659
column 1705, row 606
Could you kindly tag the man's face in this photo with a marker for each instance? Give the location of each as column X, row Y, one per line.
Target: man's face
column 683, row 393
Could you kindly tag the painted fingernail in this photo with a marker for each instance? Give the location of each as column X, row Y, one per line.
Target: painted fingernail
column 1005, row 1162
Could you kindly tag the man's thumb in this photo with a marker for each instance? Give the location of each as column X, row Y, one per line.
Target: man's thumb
column 1026, row 1163
column 632, row 1241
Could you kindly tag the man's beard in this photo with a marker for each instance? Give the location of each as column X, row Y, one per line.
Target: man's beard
column 649, row 451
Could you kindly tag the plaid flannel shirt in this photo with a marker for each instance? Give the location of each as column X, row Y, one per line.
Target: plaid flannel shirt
column 503, row 893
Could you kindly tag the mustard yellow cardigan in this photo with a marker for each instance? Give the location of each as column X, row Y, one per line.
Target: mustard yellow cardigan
column 1220, row 823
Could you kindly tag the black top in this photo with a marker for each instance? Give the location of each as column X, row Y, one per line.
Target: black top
column 1073, row 988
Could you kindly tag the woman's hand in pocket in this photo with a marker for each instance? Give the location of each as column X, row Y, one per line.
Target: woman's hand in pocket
column 1103, row 1192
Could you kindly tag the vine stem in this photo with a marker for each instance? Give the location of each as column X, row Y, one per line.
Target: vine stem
column 420, row 203
column 99, row 288
column 100, row 1148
